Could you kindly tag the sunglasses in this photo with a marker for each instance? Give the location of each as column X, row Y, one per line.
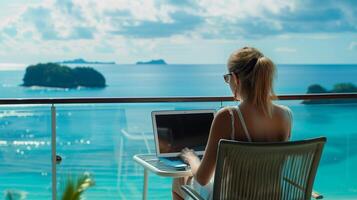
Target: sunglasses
column 227, row 77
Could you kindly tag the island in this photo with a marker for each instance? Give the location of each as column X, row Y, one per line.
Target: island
column 152, row 62
column 56, row 75
column 338, row 88
column 82, row 61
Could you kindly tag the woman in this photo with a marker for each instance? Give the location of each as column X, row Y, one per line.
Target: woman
column 256, row 119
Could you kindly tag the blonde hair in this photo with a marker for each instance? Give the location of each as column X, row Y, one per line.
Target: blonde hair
column 256, row 73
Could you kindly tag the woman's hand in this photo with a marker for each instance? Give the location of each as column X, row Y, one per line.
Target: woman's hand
column 189, row 156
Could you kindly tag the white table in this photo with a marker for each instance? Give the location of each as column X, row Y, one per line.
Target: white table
column 151, row 163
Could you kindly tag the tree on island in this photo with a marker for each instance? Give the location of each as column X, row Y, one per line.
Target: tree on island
column 337, row 88
column 152, row 62
column 55, row 75
column 83, row 61
column 344, row 88
column 88, row 77
column 316, row 88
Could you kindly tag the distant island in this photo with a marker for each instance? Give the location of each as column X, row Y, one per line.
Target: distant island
column 82, row 61
column 152, row 62
column 338, row 88
column 55, row 75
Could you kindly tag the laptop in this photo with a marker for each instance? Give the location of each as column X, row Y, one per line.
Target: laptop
column 176, row 129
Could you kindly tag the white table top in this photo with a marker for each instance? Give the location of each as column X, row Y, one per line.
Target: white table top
column 152, row 163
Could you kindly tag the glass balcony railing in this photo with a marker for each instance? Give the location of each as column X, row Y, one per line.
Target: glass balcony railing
column 100, row 136
column 25, row 151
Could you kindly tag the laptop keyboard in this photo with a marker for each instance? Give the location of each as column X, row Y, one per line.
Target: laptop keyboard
column 154, row 161
column 178, row 158
column 164, row 167
column 173, row 158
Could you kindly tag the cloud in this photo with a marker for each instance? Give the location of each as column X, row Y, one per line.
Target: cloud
column 277, row 17
column 208, row 19
column 82, row 33
column 182, row 22
column 67, row 7
column 323, row 20
column 56, row 21
column 10, row 31
column 42, row 20
column 123, row 26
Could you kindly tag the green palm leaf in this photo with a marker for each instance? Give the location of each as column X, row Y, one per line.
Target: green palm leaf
column 75, row 188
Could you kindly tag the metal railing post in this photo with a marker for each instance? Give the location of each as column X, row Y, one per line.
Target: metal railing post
column 53, row 148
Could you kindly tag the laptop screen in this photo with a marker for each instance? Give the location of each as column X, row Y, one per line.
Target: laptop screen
column 176, row 131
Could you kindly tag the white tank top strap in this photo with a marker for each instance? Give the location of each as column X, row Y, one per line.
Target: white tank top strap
column 241, row 118
column 232, row 123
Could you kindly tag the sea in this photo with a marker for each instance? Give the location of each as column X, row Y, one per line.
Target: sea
column 101, row 139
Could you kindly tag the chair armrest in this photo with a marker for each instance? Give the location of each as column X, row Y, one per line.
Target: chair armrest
column 314, row 194
column 191, row 192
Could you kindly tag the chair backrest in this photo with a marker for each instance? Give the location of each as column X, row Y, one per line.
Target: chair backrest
column 282, row 170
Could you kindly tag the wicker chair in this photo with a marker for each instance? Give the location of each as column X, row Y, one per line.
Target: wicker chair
column 274, row 171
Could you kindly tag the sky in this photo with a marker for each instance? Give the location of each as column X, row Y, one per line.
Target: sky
column 179, row 31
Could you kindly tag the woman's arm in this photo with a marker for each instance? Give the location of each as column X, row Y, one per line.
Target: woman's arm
column 287, row 119
column 220, row 129
column 289, row 122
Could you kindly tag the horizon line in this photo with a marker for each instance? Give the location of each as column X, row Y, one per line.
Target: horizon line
column 9, row 64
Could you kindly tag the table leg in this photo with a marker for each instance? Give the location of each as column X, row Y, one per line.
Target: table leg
column 145, row 192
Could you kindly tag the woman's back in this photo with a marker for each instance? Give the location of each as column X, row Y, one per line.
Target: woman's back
column 253, row 126
column 260, row 127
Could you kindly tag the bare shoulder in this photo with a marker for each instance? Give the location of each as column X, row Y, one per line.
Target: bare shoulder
column 282, row 111
column 222, row 119
column 223, row 114
column 284, row 115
